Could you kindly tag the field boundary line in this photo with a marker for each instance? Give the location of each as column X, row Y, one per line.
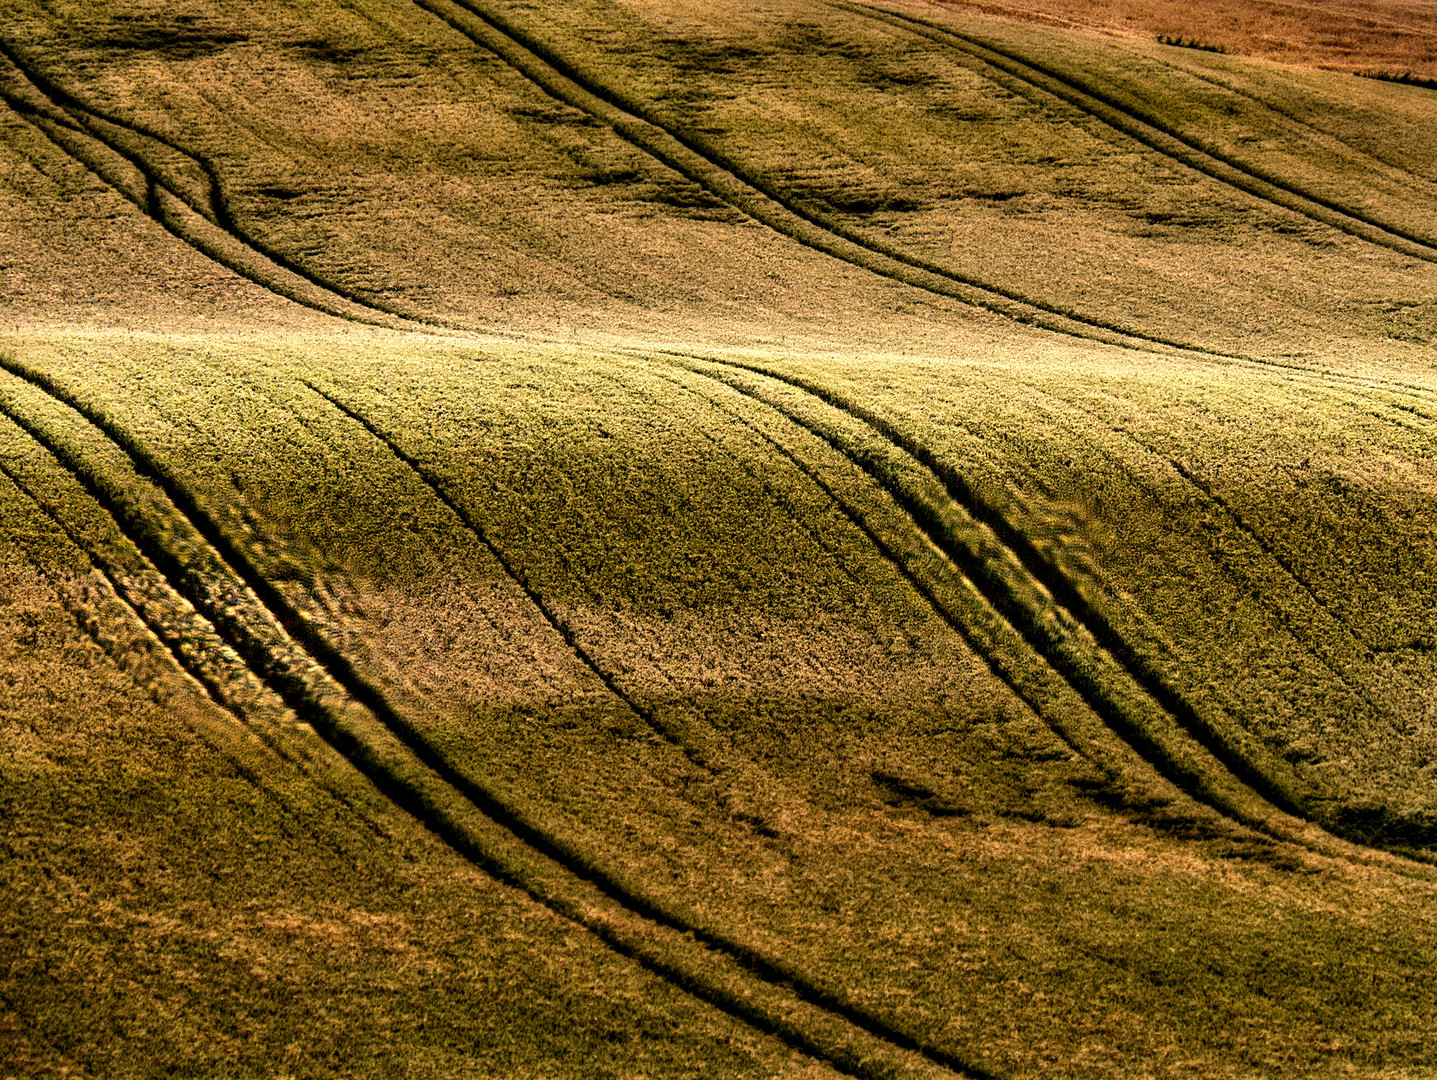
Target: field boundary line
column 325, row 692
column 1035, row 601
column 1158, row 136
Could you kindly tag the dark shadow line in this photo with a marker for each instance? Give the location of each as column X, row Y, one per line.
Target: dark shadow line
column 1097, row 698
column 878, row 250
column 770, row 970
column 87, row 120
column 898, row 562
column 292, row 690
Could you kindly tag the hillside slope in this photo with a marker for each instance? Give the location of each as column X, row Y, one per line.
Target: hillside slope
column 631, row 538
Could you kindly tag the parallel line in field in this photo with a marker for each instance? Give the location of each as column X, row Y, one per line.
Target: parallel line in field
column 205, row 656
column 1157, row 135
column 1339, row 667
column 165, row 642
column 992, row 573
column 566, row 633
column 951, row 596
column 1135, row 700
column 189, row 641
column 764, row 967
column 1382, row 164
column 292, row 657
column 694, row 158
column 204, row 222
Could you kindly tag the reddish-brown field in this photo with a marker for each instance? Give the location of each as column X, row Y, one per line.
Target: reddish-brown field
column 1393, row 36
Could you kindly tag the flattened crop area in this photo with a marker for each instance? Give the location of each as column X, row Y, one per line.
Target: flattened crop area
column 616, row 539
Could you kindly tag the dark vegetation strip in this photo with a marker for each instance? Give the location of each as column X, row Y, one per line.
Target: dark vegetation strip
column 295, row 674
column 1405, row 78
column 1036, row 627
column 75, row 126
column 700, row 161
column 1190, row 43
column 766, row 968
column 1156, row 134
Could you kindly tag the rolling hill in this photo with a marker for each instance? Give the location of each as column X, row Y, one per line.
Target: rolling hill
column 640, row 538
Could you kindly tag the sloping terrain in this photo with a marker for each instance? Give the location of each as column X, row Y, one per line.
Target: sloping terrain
column 650, row 539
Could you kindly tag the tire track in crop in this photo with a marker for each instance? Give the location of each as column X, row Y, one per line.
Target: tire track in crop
column 293, row 657
column 1153, row 133
column 686, row 739
column 142, row 597
column 1342, row 663
column 1135, row 700
column 700, row 750
column 931, row 575
column 694, row 158
column 1376, row 161
column 129, row 158
column 697, row 160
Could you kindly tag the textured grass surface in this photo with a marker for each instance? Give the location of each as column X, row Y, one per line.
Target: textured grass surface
column 642, row 539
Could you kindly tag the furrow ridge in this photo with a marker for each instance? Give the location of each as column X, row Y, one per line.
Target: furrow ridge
column 344, row 715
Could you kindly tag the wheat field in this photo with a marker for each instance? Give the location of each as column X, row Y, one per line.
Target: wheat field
column 636, row 538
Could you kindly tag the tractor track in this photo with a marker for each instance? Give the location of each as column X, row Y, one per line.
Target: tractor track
column 1153, row 133
column 950, row 595
column 1133, row 699
column 1340, row 667
column 1391, row 168
column 291, row 656
column 204, row 222
column 689, row 742
column 115, row 151
column 694, row 158
column 143, row 597
column 698, row 161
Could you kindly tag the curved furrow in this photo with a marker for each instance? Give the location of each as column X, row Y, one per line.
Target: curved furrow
column 699, row 746
column 294, row 658
column 688, row 740
column 202, row 221
column 907, row 546
column 141, row 596
column 699, row 161
column 1341, row 662
column 1382, row 164
column 1132, row 697
column 1409, row 417
column 1155, row 134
